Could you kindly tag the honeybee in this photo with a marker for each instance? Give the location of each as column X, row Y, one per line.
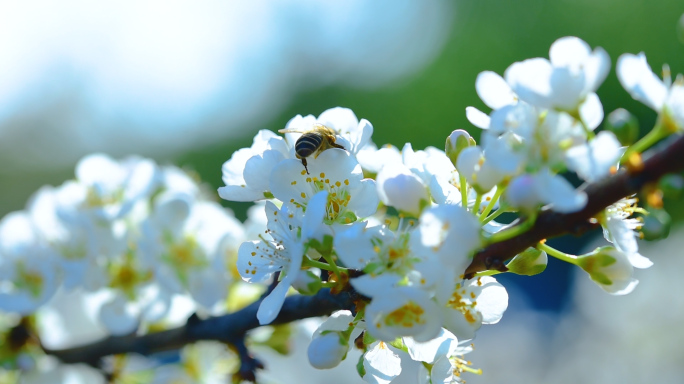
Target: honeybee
column 313, row 141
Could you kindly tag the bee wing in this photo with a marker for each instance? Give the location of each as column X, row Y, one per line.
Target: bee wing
column 292, row 130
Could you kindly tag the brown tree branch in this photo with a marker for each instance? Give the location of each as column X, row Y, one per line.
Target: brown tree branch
column 668, row 157
column 230, row 328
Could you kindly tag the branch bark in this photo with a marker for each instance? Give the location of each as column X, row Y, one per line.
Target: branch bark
column 230, row 328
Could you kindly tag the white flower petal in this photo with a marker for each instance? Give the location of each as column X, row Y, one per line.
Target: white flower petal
column 381, row 364
column 555, row 190
column 399, row 188
column 371, row 285
column 596, row 69
column 638, row 79
column 593, row 161
column 315, row 212
column 233, row 168
column 493, row 90
column 325, row 352
column 365, row 200
column 240, row 193
column 341, row 120
column 591, row 111
column 429, row 351
column 354, row 246
column 531, row 81
column 258, row 169
column 254, row 265
column 569, row 51
column 477, row 117
column 271, row 305
column 639, row 261
column 492, row 299
column 119, row 316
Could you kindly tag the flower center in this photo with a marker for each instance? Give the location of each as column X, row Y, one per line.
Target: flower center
column 463, row 302
column 29, row 280
column 183, row 256
column 97, row 198
column 338, row 197
column 125, row 276
column 406, row 316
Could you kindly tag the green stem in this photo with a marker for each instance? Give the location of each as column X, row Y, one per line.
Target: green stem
column 478, row 201
column 513, row 232
column 336, row 270
column 464, row 191
column 657, row 133
column 490, row 272
column 557, row 254
column 576, row 115
column 492, row 203
column 317, row 264
column 494, row 215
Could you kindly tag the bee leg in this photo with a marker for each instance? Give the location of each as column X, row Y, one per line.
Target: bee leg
column 337, row 145
column 304, row 164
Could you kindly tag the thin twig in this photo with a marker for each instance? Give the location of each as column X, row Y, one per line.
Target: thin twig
column 227, row 328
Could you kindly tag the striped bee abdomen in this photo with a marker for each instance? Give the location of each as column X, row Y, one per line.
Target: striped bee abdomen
column 307, row 144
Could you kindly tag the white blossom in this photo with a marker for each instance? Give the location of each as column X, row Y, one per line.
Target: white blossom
column 402, row 311
column 467, row 305
column 246, row 173
column 663, row 96
column 567, row 82
column 28, row 273
column 335, row 171
column 597, row 158
column 289, row 231
column 400, row 188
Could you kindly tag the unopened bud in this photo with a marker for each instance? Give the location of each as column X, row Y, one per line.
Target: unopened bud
column 521, row 193
column 529, row 262
column 456, row 142
column 610, row 269
column 328, row 350
column 656, row 224
column 624, row 125
column 307, row 283
column 672, row 186
column 400, row 188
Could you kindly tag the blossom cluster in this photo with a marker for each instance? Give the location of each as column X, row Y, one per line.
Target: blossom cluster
column 126, row 246
column 141, row 243
column 402, row 226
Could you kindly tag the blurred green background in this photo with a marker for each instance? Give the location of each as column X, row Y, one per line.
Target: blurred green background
column 484, row 35
column 426, row 106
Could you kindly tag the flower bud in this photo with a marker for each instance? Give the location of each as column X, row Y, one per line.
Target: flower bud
column 307, row 283
column 624, row 125
column 327, row 350
column 400, row 188
column 656, row 225
column 610, row 269
column 672, row 186
column 456, row 142
column 479, row 173
column 529, row 262
column 521, row 193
